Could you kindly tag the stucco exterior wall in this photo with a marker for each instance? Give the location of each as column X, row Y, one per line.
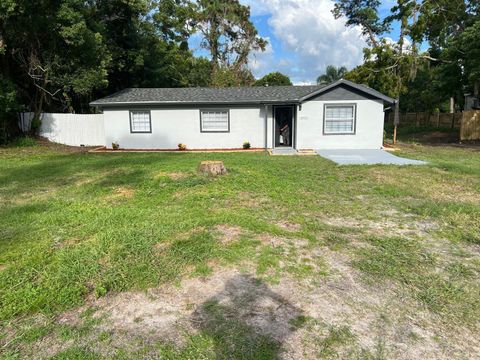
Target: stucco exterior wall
column 368, row 133
column 174, row 125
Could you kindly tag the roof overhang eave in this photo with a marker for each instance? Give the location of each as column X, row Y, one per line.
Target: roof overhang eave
column 201, row 103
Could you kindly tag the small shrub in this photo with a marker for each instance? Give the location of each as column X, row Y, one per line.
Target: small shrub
column 115, row 146
column 246, row 145
column 24, row 141
column 182, row 147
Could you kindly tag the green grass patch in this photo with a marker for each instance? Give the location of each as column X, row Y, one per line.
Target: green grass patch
column 23, row 141
column 448, row 292
column 78, row 225
column 76, row 353
column 337, row 337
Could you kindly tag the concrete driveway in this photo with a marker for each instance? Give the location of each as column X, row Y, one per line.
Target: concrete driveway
column 366, row 157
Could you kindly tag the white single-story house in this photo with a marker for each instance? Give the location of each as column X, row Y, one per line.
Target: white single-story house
column 341, row 115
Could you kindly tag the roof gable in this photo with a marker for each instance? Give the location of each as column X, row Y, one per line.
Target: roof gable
column 357, row 87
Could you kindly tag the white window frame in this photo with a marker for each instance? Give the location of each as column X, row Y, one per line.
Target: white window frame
column 354, row 119
column 225, row 130
column 132, row 130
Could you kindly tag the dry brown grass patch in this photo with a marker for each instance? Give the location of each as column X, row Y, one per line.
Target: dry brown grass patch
column 288, row 226
column 405, row 225
column 273, row 240
column 124, row 192
column 251, row 200
column 228, row 233
column 374, row 313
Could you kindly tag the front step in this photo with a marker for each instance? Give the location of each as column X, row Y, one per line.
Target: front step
column 307, row 152
column 283, row 151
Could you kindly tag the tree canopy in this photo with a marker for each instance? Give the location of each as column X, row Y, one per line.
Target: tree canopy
column 59, row 55
column 273, row 79
column 421, row 80
column 332, row 74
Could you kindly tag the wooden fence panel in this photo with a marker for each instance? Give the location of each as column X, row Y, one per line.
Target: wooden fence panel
column 470, row 125
column 421, row 119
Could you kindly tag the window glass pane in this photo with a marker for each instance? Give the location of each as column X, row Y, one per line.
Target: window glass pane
column 140, row 121
column 214, row 120
column 339, row 119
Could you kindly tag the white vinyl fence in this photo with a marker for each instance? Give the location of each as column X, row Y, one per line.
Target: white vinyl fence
column 69, row 129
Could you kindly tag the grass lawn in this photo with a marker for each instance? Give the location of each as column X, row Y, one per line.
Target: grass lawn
column 137, row 256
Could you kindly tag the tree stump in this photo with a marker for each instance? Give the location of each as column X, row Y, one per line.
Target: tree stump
column 212, row 167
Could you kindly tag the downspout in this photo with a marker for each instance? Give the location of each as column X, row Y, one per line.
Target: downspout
column 266, row 126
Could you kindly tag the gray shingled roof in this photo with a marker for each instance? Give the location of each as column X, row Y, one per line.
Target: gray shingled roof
column 231, row 95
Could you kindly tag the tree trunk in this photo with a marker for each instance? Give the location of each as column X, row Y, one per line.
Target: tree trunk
column 396, row 119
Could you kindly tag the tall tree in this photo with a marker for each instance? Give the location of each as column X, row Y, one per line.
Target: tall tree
column 58, row 55
column 273, row 79
column 451, row 28
column 362, row 13
column 332, row 74
column 365, row 14
column 8, row 106
column 53, row 51
column 463, row 54
column 227, row 33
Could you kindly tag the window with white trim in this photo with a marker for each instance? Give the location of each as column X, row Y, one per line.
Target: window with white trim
column 214, row 121
column 339, row 119
column 140, row 121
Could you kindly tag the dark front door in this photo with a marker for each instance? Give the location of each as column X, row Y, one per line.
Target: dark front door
column 283, row 118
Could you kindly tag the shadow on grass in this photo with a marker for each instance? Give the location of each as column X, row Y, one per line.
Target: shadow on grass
column 57, row 171
column 247, row 320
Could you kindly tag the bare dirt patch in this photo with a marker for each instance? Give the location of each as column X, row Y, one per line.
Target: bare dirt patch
column 276, row 241
column 162, row 246
column 3, row 267
column 374, row 313
column 436, row 186
column 119, row 194
column 437, row 137
column 446, row 191
column 390, row 224
column 167, row 312
column 288, row 226
column 228, row 233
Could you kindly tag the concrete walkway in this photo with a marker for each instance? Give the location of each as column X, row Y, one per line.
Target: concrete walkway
column 366, row 157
